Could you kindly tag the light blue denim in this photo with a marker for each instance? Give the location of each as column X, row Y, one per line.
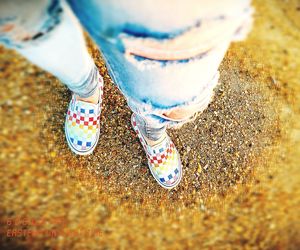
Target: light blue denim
column 151, row 86
column 48, row 34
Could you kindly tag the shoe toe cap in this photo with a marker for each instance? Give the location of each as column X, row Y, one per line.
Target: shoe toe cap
column 79, row 143
column 169, row 178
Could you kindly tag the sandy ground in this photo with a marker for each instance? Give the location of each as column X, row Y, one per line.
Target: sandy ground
column 241, row 158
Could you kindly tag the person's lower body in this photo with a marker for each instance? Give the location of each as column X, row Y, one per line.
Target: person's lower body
column 48, row 34
column 166, row 65
column 164, row 57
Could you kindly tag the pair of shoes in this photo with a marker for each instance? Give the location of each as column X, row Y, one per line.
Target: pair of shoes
column 82, row 129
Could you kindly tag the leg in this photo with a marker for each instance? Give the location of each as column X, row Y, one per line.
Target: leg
column 166, row 65
column 47, row 33
column 53, row 40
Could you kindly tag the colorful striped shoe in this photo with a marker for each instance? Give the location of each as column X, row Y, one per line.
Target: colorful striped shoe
column 82, row 126
column 163, row 159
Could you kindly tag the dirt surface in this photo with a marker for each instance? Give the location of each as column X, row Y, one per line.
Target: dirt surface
column 240, row 188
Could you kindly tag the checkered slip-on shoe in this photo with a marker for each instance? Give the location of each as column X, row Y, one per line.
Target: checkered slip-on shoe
column 82, row 126
column 163, row 159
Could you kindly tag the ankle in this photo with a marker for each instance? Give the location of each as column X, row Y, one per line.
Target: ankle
column 91, row 99
column 153, row 143
column 152, row 133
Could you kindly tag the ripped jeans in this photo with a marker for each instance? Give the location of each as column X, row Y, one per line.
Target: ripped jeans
column 162, row 55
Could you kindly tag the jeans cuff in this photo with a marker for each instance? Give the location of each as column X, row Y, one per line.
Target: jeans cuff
column 88, row 86
column 152, row 131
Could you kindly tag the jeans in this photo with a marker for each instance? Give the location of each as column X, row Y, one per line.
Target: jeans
column 162, row 55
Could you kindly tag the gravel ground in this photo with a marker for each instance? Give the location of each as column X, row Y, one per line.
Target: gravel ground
column 240, row 156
